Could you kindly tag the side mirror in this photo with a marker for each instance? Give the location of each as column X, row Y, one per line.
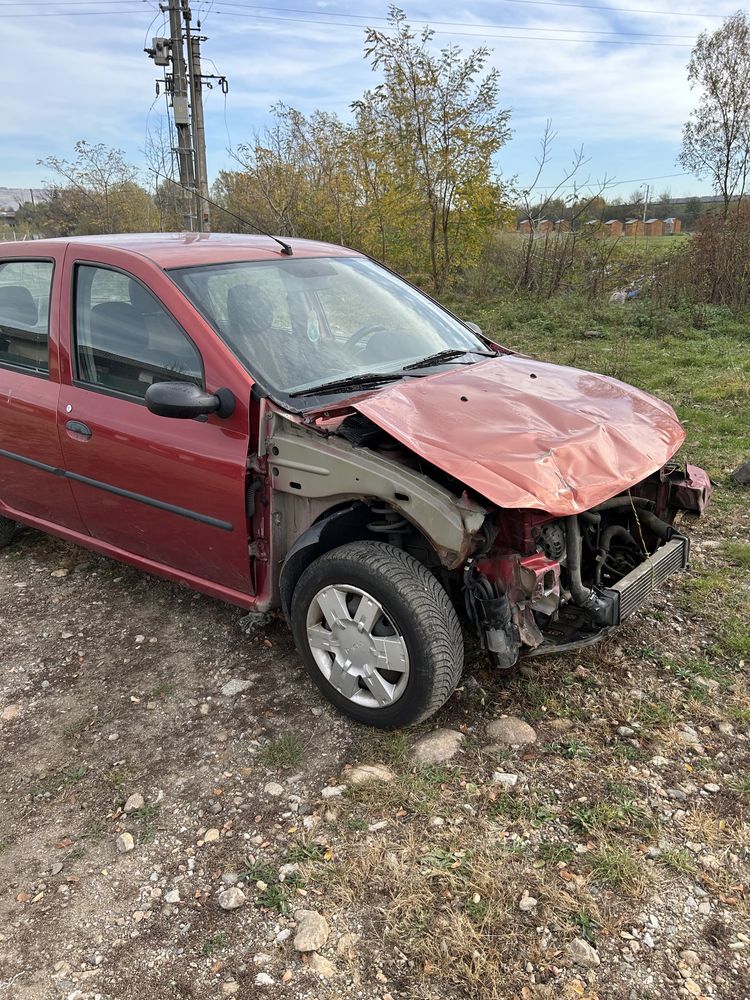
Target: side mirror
column 474, row 327
column 187, row 400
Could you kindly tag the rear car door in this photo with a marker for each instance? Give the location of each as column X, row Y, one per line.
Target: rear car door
column 168, row 490
column 30, row 455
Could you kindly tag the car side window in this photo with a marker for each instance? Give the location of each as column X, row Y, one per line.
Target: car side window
column 125, row 339
column 25, row 287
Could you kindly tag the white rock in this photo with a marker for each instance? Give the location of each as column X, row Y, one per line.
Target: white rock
column 583, row 954
column 274, row 788
column 527, row 903
column 11, row 712
column 172, row 897
column 211, row 836
column 437, row 747
column 263, row 979
column 286, row 870
column 367, row 772
column 235, row 687
column 505, row 778
column 231, row 898
column 134, row 803
column 125, row 843
column 312, row 930
column 511, row 731
column 332, row 791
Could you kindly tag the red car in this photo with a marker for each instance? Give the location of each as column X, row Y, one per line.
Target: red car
column 295, row 426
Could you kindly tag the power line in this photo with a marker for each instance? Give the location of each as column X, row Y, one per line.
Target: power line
column 467, row 34
column 612, row 183
column 464, row 24
column 77, row 13
column 539, row 3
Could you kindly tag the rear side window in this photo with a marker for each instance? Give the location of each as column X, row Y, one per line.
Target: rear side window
column 125, row 339
column 25, row 287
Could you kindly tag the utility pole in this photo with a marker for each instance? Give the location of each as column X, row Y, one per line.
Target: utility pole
column 184, row 85
column 199, row 128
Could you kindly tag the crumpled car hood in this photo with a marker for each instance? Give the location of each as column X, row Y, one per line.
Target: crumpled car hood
column 526, row 433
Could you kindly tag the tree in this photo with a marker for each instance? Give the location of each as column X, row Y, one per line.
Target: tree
column 716, row 138
column 439, row 126
column 101, row 193
column 664, row 204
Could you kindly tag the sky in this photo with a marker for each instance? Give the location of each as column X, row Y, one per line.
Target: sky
column 610, row 78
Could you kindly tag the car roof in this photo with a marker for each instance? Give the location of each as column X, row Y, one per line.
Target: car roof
column 169, row 250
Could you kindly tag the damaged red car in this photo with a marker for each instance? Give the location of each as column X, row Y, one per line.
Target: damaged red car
column 291, row 425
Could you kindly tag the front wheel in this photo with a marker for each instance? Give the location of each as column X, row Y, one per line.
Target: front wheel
column 377, row 633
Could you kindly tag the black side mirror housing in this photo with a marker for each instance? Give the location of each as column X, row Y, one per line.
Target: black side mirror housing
column 186, row 401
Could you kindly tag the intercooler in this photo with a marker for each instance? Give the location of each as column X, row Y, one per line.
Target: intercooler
column 634, row 590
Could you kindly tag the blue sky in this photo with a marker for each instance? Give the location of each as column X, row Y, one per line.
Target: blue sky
column 77, row 74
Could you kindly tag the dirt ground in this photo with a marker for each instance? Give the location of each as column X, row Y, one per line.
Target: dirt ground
column 623, row 826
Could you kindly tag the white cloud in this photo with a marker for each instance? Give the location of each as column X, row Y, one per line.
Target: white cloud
column 87, row 77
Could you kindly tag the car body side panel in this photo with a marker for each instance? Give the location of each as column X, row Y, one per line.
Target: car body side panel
column 530, row 434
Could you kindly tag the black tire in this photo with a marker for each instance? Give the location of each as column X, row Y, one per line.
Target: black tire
column 8, row 531
column 418, row 607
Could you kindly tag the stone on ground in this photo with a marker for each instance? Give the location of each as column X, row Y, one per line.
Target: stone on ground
column 742, row 473
column 231, row 898
column 134, row 803
column 511, row 731
column 312, row 930
column 367, row 772
column 125, row 843
column 437, row 747
column 317, row 963
column 583, row 954
column 235, row 687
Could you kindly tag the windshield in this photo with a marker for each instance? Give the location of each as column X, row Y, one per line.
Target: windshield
column 299, row 323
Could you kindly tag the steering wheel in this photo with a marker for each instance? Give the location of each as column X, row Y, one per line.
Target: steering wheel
column 364, row 331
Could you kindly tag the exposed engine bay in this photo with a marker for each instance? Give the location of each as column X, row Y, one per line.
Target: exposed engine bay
column 587, row 571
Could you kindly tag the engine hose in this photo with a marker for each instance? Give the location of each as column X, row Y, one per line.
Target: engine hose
column 624, row 502
column 660, row 528
column 581, row 595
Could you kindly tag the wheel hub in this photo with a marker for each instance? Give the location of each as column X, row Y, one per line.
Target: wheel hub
column 357, row 647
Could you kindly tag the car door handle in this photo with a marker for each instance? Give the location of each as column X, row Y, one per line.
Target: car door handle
column 78, row 429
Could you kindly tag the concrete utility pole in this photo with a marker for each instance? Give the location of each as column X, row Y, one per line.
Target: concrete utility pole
column 199, row 127
column 184, row 149
column 186, row 79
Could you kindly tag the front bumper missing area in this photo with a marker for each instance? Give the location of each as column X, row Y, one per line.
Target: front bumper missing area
column 573, row 628
column 635, row 589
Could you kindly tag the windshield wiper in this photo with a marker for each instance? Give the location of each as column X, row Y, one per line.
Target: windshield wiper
column 441, row 356
column 365, row 381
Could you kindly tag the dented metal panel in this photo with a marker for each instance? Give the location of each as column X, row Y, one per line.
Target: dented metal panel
column 529, row 434
column 304, row 463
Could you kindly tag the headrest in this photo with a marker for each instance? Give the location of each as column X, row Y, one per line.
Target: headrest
column 249, row 308
column 17, row 305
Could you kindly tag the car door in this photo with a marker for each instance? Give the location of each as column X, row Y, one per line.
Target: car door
column 170, row 491
column 31, row 487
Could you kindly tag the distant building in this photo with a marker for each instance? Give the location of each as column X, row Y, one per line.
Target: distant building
column 653, row 227
column 525, row 226
column 614, row 227
column 545, row 226
column 562, row 225
column 633, row 227
column 672, row 226
column 11, row 200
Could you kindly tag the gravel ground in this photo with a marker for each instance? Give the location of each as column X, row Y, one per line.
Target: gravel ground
column 160, row 766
